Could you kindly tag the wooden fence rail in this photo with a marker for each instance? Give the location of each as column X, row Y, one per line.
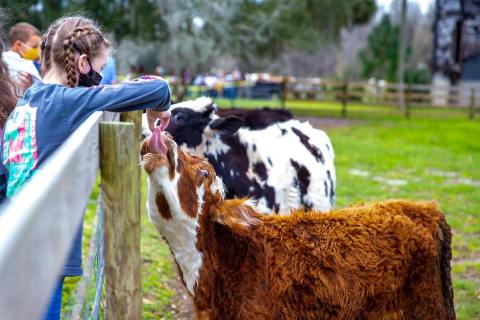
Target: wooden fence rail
column 416, row 95
column 39, row 224
column 462, row 96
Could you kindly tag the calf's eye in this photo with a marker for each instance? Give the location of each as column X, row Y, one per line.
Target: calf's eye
column 178, row 117
column 204, row 173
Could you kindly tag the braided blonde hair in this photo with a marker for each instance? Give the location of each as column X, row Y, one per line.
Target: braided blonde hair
column 65, row 38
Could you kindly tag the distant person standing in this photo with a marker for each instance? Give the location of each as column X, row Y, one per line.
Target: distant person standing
column 24, row 42
column 109, row 72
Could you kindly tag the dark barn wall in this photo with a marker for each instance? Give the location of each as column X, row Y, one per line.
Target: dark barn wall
column 457, row 39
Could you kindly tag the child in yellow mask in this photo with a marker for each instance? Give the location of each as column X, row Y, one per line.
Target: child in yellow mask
column 32, row 53
column 24, row 41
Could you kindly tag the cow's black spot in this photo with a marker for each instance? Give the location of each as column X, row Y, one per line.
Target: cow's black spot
column 239, row 184
column 269, row 195
column 254, row 147
column 284, row 131
column 332, row 188
column 187, row 126
column 304, row 139
column 302, row 181
column 260, row 169
column 328, row 147
column 326, row 187
column 208, row 143
column 270, row 161
column 276, row 207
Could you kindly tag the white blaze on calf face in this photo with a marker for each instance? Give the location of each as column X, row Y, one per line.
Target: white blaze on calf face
column 201, row 104
column 177, row 184
column 180, row 230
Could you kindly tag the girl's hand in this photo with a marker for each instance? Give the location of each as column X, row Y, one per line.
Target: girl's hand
column 164, row 117
column 24, row 81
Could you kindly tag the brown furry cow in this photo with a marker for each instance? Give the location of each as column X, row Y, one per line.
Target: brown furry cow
column 377, row 261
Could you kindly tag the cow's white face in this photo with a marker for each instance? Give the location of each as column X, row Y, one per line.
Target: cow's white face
column 179, row 184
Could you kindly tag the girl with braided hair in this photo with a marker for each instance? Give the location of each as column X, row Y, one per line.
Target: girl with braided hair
column 73, row 53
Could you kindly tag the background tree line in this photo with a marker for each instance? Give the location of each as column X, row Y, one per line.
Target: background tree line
column 243, row 29
column 302, row 37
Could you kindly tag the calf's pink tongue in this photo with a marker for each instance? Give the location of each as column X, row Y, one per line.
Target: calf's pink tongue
column 156, row 142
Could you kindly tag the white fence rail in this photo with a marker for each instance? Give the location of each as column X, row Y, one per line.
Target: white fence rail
column 38, row 226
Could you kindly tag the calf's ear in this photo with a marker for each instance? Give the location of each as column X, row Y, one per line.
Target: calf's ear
column 209, row 109
column 237, row 216
column 227, row 126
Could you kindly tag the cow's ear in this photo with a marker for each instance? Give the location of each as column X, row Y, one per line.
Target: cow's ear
column 227, row 126
column 209, row 109
column 237, row 216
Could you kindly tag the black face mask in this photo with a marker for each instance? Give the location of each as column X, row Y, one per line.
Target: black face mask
column 92, row 78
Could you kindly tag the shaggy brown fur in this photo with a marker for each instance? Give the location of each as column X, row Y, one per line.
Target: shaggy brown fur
column 378, row 261
column 387, row 260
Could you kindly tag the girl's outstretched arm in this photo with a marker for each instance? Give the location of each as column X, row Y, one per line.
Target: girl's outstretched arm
column 143, row 93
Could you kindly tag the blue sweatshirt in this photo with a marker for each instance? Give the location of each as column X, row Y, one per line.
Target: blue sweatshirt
column 49, row 113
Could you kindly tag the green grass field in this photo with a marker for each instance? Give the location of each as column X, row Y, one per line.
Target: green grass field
column 379, row 155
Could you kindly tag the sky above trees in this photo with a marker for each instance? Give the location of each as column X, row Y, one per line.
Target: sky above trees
column 424, row 4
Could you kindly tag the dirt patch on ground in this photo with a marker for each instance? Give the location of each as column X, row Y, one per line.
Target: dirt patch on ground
column 466, row 256
column 328, row 123
column 471, row 274
column 453, row 178
column 463, row 253
column 182, row 303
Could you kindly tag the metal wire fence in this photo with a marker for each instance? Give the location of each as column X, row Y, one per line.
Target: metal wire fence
column 90, row 292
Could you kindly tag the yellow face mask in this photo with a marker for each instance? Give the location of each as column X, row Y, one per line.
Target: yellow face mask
column 31, row 54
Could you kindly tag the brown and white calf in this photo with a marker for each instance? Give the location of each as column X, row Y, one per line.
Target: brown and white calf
column 377, row 261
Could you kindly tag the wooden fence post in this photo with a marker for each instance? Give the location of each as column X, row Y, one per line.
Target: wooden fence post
column 344, row 99
column 119, row 173
column 135, row 117
column 407, row 93
column 401, row 104
column 472, row 104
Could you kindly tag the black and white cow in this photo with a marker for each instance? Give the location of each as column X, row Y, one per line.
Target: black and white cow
column 285, row 166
